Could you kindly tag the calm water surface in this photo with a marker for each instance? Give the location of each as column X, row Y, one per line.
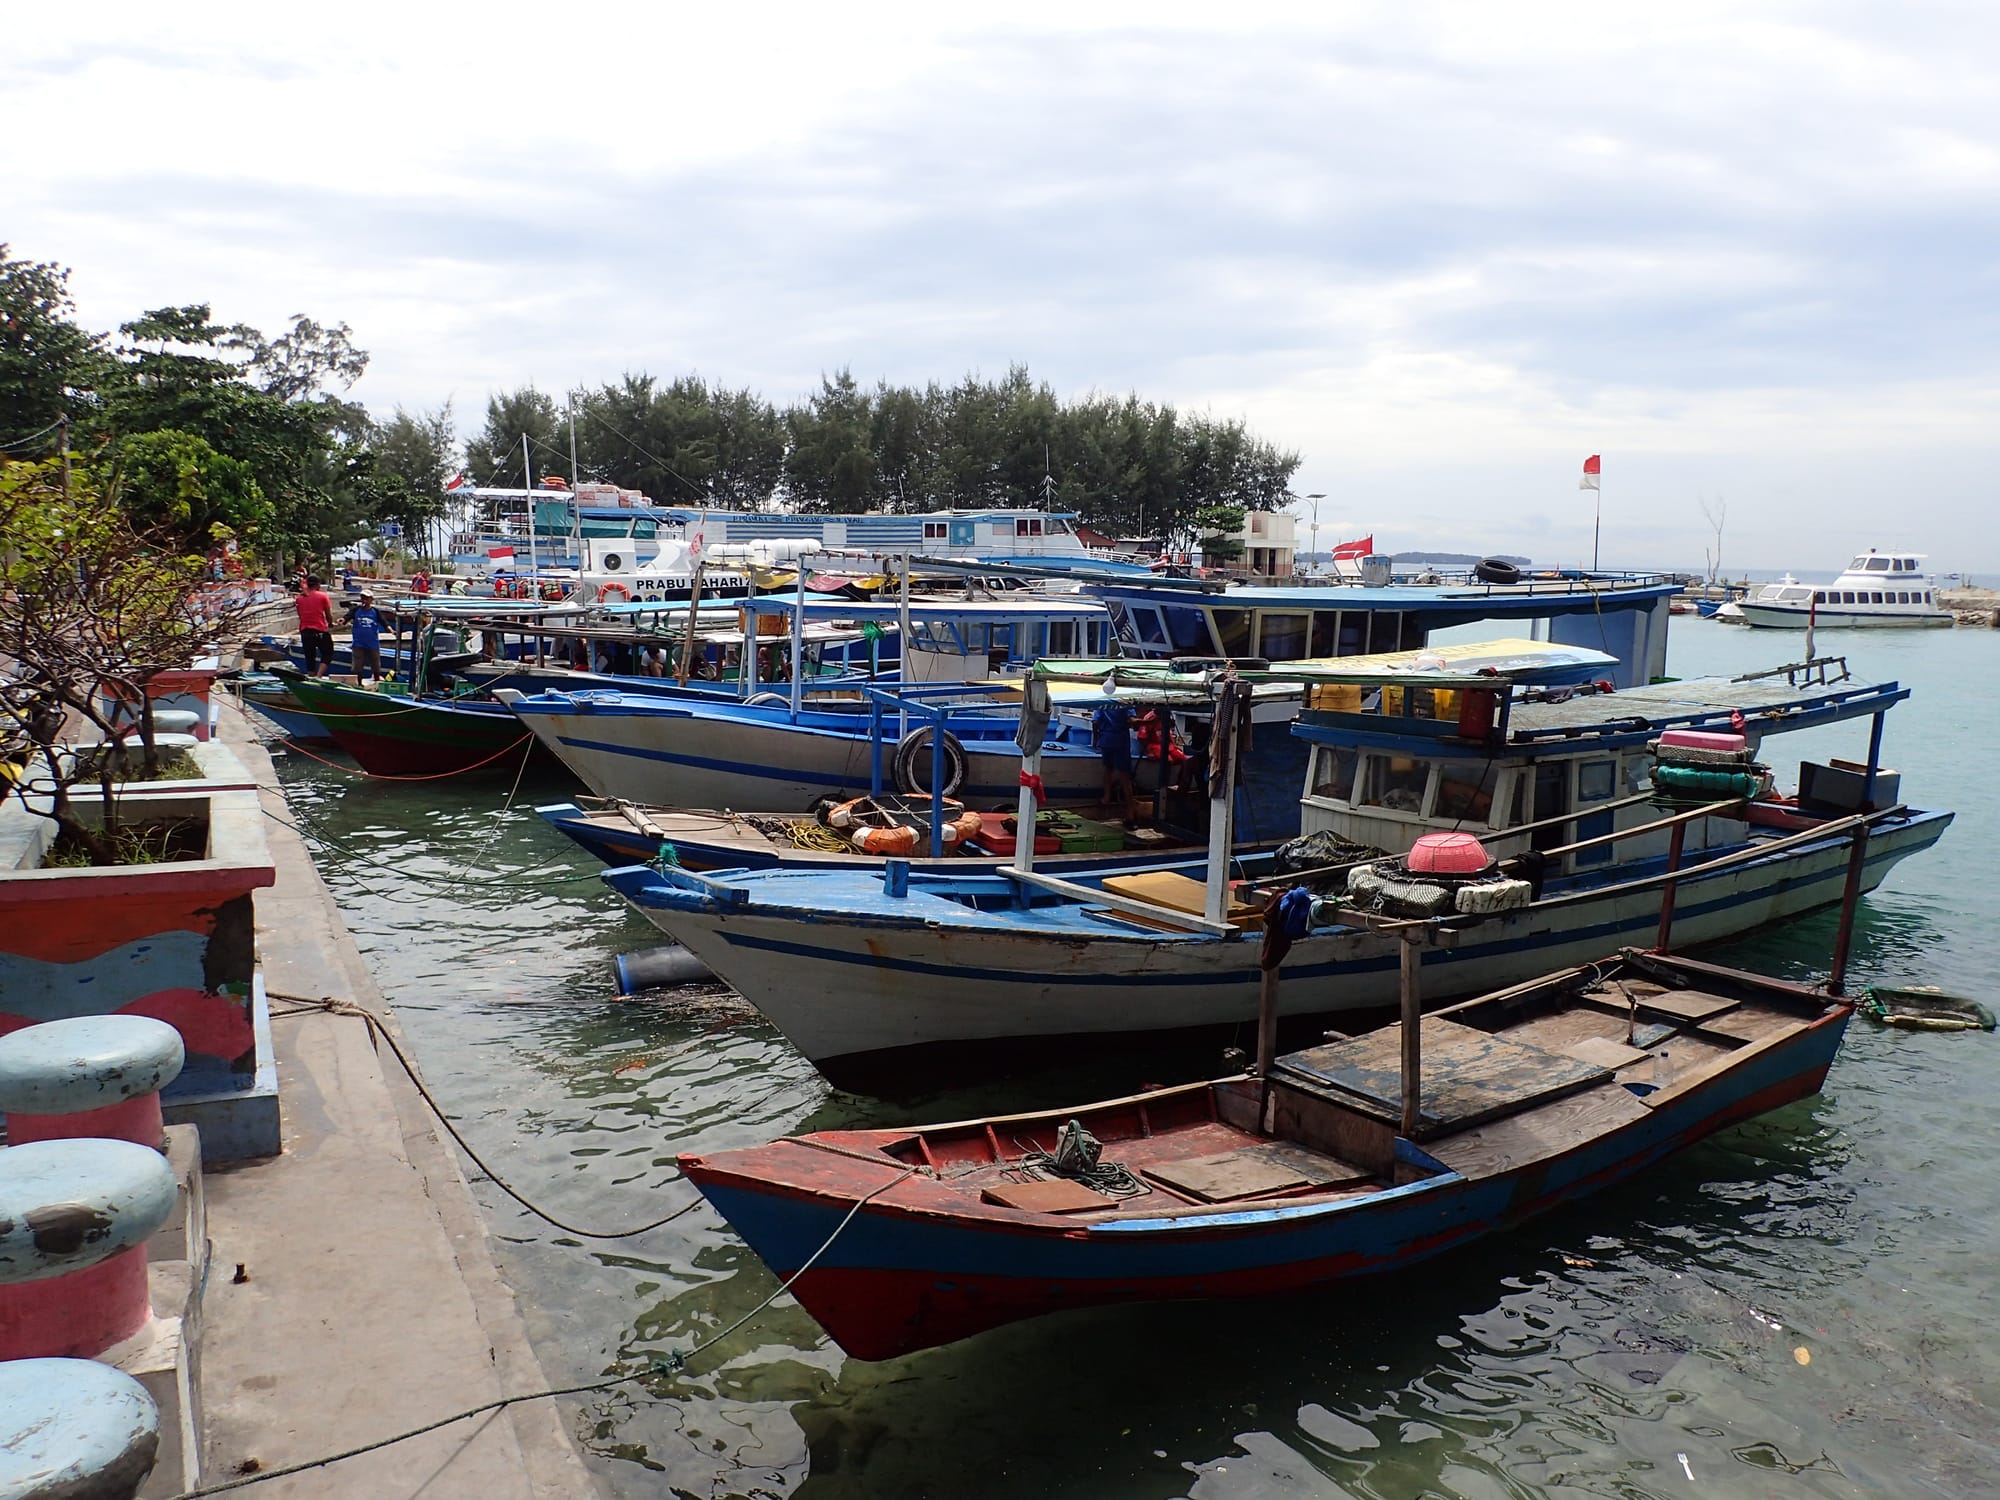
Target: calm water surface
column 1803, row 1306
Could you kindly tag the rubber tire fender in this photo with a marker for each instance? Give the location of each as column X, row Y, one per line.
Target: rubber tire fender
column 904, row 763
column 1496, row 570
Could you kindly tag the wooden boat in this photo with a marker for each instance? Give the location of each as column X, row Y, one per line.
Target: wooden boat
column 405, row 736
column 847, row 961
column 1324, row 1169
column 621, row 833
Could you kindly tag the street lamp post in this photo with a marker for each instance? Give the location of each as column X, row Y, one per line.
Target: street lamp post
column 1315, row 498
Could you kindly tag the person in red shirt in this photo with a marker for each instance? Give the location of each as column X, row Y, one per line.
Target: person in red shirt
column 315, row 628
column 421, row 584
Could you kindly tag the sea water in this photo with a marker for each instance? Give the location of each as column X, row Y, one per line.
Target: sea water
column 1807, row 1305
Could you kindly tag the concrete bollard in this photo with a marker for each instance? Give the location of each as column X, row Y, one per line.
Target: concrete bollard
column 72, row 1429
column 88, row 1076
column 75, row 1216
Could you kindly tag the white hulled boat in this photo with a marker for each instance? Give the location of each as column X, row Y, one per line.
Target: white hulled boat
column 1879, row 589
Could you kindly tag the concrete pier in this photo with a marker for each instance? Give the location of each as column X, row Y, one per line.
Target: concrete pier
column 367, row 1302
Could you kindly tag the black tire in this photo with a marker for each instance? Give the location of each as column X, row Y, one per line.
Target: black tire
column 1496, row 570
column 911, row 774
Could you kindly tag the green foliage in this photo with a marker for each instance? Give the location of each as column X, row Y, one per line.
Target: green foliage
column 48, row 365
column 173, row 480
column 686, row 442
column 493, row 455
column 300, row 362
column 414, row 457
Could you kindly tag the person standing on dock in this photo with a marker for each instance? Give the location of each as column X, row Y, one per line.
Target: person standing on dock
column 365, row 642
column 315, row 627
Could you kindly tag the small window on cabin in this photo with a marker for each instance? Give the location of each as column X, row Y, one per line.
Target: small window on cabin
column 1187, row 628
column 1847, row 596
column 934, row 531
column 1465, row 792
column 1396, row 783
column 1325, row 626
column 1283, row 637
column 1232, row 630
column 1020, row 526
column 1819, row 596
column 1034, row 526
column 1878, row 564
column 1517, row 805
column 1152, row 631
column 1333, row 773
column 1595, row 780
column 1927, row 596
column 1876, row 598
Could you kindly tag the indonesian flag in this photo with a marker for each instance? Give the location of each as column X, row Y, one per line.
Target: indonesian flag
column 1593, row 468
column 1363, row 548
column 458, row 482
column 500, row 554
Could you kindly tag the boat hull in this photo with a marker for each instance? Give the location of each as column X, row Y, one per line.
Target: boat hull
column 407, row 737
column 1785, row 617
column 870, row 997
column 750, row 757
column 894, row 1281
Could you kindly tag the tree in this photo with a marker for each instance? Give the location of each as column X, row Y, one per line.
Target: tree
column 415, row 455
column 48, row 365
column 493, row 455
column 300, row 362
column 176, row 481
column 92, row 609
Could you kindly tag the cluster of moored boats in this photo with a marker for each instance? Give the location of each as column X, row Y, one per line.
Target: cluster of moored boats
column 882, row 821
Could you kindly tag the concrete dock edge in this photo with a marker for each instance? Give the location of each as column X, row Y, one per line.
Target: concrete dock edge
column 369, row 1301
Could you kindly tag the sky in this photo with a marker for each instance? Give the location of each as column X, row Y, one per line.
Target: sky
column 1746, row 252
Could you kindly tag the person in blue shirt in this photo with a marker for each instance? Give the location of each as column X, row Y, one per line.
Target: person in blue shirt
column 365, row 640
column 347, row 580
column 1111, row 738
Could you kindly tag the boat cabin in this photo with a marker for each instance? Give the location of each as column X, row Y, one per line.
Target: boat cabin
column 1625, row 616
column 1539, row 768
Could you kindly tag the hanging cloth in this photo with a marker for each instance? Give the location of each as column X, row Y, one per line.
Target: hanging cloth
column 1232, row 723
column 1034, row 726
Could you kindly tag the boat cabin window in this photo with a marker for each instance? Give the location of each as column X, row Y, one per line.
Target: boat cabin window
column 1187, row 628
column 1282, row 636
column 1396, row 783
column 934, row 531
column 1594, row 781
column 1333, row 772
column 1878, row 564
column 1028, row 526
column 1232, row 632
column 1465, row 791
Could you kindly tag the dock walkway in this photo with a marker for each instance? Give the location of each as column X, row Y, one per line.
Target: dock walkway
column 372, row 1303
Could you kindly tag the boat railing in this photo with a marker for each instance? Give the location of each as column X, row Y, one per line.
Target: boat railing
column 1818, row 671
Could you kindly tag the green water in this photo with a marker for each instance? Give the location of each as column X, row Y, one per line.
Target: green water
column 1585, row 1355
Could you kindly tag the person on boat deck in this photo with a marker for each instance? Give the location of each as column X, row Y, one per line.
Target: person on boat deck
column 347, row 579
column 315, row 627
column 651, row 663
column 1150, row 725
column 365, row 642
column 1111, row 738
column 459, row 586
column 421, row 584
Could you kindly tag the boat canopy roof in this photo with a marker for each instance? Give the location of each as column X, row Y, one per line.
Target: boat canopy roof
column 1532, row 598
column 1701, row 702
column 888, row 610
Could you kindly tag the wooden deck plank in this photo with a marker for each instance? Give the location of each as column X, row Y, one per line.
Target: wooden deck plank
column 1606, row 1052
column 1688, row 1005
column 1230, row 1175
column 1469, row 1075
column 1688, row 1079
column 1537, row 1134
column 1054, row 1196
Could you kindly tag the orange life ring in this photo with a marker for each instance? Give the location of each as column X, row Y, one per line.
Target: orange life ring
column 605, row 591
column 898, row 840
column 960, row 828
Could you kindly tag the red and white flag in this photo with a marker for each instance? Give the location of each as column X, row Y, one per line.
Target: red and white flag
column 500, row 554
column 458, row 482
column 1363, row 548
column 1593, row 468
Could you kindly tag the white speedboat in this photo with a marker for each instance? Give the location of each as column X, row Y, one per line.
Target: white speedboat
column 1878, row 589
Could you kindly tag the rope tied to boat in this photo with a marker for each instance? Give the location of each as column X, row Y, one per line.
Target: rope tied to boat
column 1079, row 1157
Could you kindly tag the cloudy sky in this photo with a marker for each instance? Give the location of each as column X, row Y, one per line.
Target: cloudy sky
column 1746, row 252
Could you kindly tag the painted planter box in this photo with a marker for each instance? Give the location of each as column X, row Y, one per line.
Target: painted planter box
column 174, row 941
column 187, row 690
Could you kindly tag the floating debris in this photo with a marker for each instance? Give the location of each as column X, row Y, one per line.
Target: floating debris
column 1925, row 1007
